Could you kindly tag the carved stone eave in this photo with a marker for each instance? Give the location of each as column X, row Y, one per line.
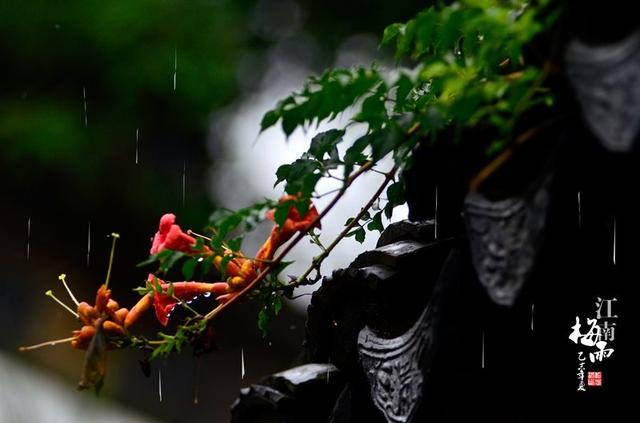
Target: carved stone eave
column 504, row 237
column 392, row 366
column 606, row 79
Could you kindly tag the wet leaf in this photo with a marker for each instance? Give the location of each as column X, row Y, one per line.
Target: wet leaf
column 188, row 267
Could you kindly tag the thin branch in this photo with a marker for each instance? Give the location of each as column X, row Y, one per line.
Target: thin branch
column 502, row 158
column 317, row 261
column 324, row 194
column 365, row 167
column 47, row 344
column 292, row 244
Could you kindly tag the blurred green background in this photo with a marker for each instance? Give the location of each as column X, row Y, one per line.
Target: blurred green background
column 86, row 90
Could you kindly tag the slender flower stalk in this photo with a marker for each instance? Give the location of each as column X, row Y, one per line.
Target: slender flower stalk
column 62, row 277
column 114, row 237
column 49, row 293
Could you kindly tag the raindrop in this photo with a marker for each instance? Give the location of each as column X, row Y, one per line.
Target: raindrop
column 483, row 349
column 200, row 260
column 137, row 137
column 532, row 310
column 28, row 237
column 207, row 294
column 435, row 216
column 84, row 100
column 88, row 242
column 615, row 230
column 242, row 362
column 328, row 369
column 175, row 69
column 160, row 384
column 196, row 388
column 579, row 211
column 184, row 180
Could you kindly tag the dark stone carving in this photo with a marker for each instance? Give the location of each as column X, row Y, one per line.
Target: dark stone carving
column 306, row 392
column 607, row 82
column 406, row 230
column 392, row 367
column 504, row 236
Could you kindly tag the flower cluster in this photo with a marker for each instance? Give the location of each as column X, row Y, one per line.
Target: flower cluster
column 106, row 325
column 240, row 270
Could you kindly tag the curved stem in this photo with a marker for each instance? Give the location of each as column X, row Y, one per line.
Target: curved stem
column 364, row 168
column 114, row 237
column 292, row 244
column 325, row 253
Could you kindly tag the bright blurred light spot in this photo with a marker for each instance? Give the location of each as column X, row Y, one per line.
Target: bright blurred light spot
column 245, row 167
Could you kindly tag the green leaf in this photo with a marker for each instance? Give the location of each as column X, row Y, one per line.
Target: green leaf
column 282, row 173
column 395, row 193
column 168, row 263
column 291, row 119
column 188, row 268
column 171, row 289
column 404, row 85
column 360, row 235
column 277, row 305
column 299, row 170
column 269, row 119
column 325, row 142
column 405, row 40
column 263, row 322
column 281, row 266
column 354, row 154
column 235, row 244
column 391, row 32
column 376, row 223
column 156, row 285
column 374, row 111
column 142, row 290
column 155, row 257
column 384, row 141
column 309, row 183
column 207, row 263
column 282, row 212
column 388, row 210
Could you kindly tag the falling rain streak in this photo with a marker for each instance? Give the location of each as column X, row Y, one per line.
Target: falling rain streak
column 196, row 388
column 84, row 100
column 483, row 349
column 88, row 243
column 579, row 211
column 160, row 384
column 615, row 234
column 175, row 68
column 435, row 217
column 242, row 362
column 28, row 236
column 532, row 305
column 137, row 138
column 184, row 180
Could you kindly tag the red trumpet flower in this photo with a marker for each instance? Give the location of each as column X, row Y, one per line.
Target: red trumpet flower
column 163, row 303
column 171, row 237
column 281, row 234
